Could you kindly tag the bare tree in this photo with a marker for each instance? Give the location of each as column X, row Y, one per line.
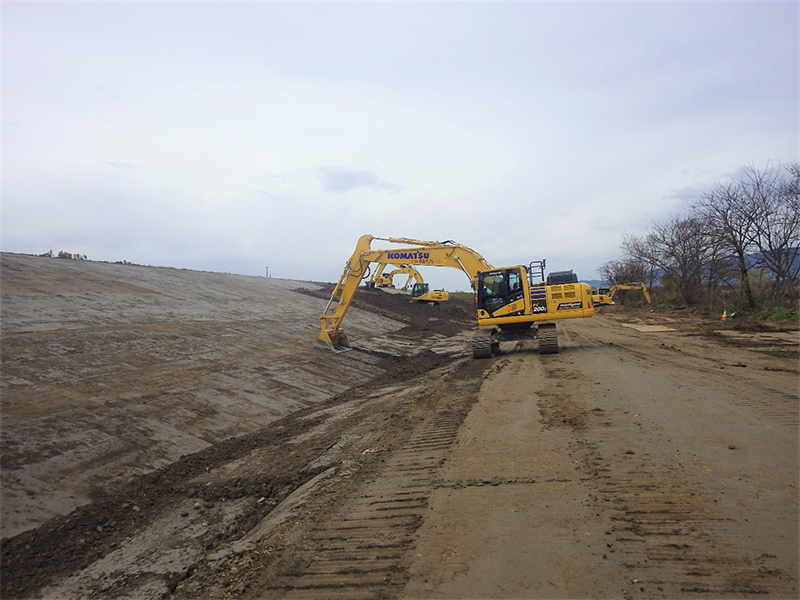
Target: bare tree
column 751, row 224
column 776, row 202
column 729, row 216
column 627, row 270
column 679, row 248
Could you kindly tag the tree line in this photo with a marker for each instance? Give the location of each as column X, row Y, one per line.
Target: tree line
column 738, row 247
column 65, row 255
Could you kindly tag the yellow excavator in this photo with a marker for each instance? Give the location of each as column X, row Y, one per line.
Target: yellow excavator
column 422, row 293
column 381, row 279
column 511, row 302
column 605, row 296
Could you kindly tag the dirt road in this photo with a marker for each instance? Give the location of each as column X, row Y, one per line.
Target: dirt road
column 655, row 457
column 635, row 464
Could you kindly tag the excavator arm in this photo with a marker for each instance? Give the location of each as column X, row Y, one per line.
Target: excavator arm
column 437, row 254
column 378, row 278
column 637, row 285
column 387, row 280
column 413, row 275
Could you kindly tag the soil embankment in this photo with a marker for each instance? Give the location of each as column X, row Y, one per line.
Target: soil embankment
column 174, row 434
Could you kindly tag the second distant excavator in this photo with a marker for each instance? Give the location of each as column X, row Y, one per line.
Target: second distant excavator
column 381, row 279
column 605, row 296
column 421, row 292
column 511, row 302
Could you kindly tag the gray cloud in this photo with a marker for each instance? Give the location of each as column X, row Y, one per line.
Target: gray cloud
column 122, row 165
column 594, row 118
column 686, row 194
column 340, row 180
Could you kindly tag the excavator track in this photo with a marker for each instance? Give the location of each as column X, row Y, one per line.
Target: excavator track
column 548, row 338
column 483, row 344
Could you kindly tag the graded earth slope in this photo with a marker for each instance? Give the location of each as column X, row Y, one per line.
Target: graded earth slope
column 111, row 371
column 655, row 457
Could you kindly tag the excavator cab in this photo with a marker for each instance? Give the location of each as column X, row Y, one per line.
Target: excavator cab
column 499, row 288
column 602, row 296
column 419, row 289
column 422, row 292
column 514, row 302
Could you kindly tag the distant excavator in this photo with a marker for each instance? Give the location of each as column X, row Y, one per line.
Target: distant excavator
column 421, row 292
column 605, row 296
column 511, row 302
column 381, row 279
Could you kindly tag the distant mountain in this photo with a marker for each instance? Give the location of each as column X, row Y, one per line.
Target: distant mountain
column 757, row 259
column 596, row 283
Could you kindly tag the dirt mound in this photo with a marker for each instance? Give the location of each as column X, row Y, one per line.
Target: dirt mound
column 446, row 318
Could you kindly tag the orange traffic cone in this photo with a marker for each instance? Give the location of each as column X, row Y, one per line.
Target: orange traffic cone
column 724, row 315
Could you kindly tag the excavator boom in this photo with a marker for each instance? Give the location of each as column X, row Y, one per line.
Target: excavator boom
column 438, row 254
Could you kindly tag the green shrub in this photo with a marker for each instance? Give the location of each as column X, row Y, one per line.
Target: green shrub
column 784, row 314
column 463, row 296
column 70, row 255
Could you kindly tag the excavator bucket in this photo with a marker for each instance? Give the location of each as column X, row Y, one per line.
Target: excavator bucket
column 336, row 342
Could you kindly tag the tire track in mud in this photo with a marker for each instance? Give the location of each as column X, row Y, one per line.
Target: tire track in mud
column 664, row 526
column 361, row 553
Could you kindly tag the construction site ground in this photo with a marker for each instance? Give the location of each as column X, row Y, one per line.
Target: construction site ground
column 173, row 434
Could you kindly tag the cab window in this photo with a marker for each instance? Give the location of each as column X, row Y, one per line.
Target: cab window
column 499, row 288
column 514, row 282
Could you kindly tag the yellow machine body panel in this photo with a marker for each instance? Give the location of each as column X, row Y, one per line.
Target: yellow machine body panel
column 421, row 292
column 507, row 297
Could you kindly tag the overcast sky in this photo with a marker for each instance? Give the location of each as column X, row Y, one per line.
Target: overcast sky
column 232, row 136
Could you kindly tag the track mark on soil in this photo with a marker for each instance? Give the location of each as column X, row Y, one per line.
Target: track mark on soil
column 663, row 523
column 770, row 404
column 666, row 528
column 672, row 540
column 361, row 552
